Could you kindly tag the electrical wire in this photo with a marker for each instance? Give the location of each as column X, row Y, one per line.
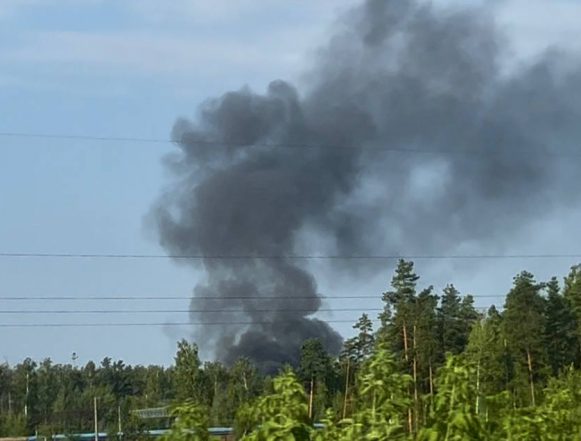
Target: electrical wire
column 213, row 143
column 147, row 298
column 173, row 311
column 39, row 255
column 102, row 325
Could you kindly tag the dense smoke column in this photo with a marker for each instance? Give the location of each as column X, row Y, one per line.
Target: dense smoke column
column 255, row 171
column 252, row 200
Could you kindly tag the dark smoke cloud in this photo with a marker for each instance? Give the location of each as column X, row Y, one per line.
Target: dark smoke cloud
column 396, row 75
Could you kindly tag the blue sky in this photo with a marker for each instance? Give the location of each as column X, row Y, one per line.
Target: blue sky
column 129, row 68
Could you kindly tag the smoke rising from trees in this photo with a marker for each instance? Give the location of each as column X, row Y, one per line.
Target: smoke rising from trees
column 255, row 172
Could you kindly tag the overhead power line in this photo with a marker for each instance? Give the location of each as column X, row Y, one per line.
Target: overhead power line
column 161, row 298
column 215, row 143
column 103, row 325
column 181, row 311
column 288, row 256
column 67, row 298
column 157, row 324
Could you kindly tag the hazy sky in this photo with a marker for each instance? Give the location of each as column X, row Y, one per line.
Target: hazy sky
column 128, row 68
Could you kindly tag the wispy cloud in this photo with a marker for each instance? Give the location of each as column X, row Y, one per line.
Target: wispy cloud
column 228, row 11
column 193, row 10
column 252, row 39
column 210, row 38
column 11, row 8
column 149, row 54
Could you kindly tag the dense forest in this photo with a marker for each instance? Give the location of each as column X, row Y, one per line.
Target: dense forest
column 433, row 368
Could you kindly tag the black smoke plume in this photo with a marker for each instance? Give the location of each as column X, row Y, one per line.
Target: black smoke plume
column 409, row 137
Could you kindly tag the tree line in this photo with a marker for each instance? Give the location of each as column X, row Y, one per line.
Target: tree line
column 46, row 398
column 433, row 368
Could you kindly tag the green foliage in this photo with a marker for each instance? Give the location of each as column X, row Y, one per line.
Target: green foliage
column 572, row 293
column 187, row 377
column 190, row 423
column 560, row 337
column 454, row 416
column 316, row 373
column 561, row 411
column 135, row 429
column 244, row 385
column 314, row 362
column 281, row 415
column 426, row 350
column 398, row 310
column 359, row 348
column 487, row 350
column 453, row 337
column 382, row 404
column 12, row 425
column 436, row 370
column 214, row 383
column 524, row 324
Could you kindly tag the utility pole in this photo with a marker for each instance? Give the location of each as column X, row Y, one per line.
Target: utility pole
column 96, row 418
column 26, row 399
column 119, row 419
column 346, row 389
column 311, row 397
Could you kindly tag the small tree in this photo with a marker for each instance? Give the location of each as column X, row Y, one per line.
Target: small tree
column 359, row 348
column 382, row 403
column 187, row 373
column 486, row 351
column 282, row 415
column 455, row 416
column 355, row 351
column 190, row 423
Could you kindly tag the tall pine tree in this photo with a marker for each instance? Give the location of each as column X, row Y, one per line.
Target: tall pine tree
column 561, row 338
column 315, row 371
column 572, row 293
column 487, row 351
column 425, row 340
column 524, row 323
column 397, row 319
column 359, row 347
column 451, row 330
